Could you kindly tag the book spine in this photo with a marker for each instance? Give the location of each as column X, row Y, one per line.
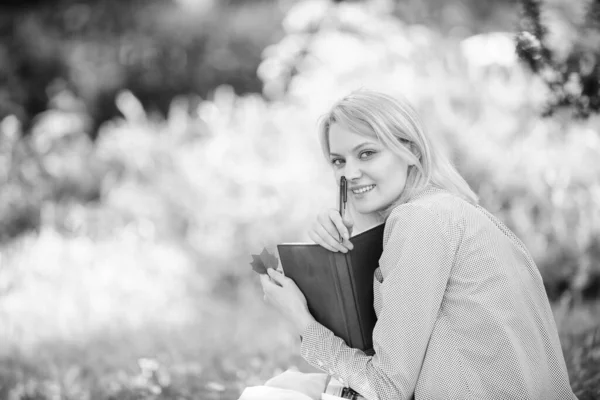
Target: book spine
column 339, row 285
column 348, row 297
column 359, row 319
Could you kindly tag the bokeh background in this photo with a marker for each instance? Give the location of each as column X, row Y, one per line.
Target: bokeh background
column 148, row 147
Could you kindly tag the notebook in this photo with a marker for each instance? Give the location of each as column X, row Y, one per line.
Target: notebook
column 338, row 286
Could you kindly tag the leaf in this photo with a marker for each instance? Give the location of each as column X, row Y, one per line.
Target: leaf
column 257, row 265
column 265, row 260
column 269, row 259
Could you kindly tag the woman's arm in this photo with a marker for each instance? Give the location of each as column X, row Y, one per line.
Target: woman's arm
column 415, row 264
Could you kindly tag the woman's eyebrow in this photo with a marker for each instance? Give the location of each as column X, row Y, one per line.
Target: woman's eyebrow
column 355, row 148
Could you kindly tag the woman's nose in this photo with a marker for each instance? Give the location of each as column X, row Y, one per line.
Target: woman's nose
column 352, row 171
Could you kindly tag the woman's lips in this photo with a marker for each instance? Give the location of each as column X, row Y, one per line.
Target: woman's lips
column 358, row 190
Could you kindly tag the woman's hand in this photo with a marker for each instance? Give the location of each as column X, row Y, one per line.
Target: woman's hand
column 284, row 294
column 327, row 229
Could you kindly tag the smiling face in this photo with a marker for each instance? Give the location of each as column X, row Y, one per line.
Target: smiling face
column 376, row 175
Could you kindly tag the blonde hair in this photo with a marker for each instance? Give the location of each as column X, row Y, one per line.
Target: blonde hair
column 398, row 127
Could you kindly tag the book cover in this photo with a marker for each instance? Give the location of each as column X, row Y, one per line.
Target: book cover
column 338, row 286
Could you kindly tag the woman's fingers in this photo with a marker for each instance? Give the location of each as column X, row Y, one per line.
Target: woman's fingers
column 328, row 228
column 341, row 225
column 348, row 244
column 318, row 240
column 277, row 277
column 329, row 240
column 338, row 223
column 348, row 223
column 265, row 282
column 326, row 221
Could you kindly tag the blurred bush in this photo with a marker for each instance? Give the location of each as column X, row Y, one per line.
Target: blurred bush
column 567, row 56
column 156, row 49
column 162, row 49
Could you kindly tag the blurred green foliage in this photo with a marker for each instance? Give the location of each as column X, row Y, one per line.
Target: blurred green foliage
column 124, row 260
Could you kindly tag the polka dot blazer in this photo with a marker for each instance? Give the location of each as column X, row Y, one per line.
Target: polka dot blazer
column 462, row 313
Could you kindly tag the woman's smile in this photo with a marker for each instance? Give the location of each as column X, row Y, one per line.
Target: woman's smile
column 360, row 190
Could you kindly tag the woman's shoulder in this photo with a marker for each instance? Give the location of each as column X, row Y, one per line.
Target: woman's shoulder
column 431, row 201
column 434, row 209
column 429, row 221
column 450, row 213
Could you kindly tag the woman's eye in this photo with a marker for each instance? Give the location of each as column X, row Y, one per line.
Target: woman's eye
column 366, row 154
column 337, row 161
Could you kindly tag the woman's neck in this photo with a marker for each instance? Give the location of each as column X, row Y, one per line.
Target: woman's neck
column 362, row 222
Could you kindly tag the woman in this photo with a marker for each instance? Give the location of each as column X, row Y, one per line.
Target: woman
column 462, row 311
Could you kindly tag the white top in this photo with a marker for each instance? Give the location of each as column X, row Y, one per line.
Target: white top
column 462, row 313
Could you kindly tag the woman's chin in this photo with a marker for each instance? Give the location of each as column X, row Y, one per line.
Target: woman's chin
column 371, row 208
column 366, row 209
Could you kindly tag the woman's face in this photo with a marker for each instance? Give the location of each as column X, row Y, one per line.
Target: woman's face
column 376, row 176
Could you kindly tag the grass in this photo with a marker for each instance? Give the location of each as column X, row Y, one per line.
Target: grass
column 235, row 342
column 232, row 347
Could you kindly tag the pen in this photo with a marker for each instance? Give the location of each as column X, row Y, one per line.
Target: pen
column 343, row 199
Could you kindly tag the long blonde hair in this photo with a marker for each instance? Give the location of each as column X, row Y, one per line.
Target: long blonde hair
column 397, row 126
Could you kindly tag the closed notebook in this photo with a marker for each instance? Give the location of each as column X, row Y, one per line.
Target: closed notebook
column 338, row 286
